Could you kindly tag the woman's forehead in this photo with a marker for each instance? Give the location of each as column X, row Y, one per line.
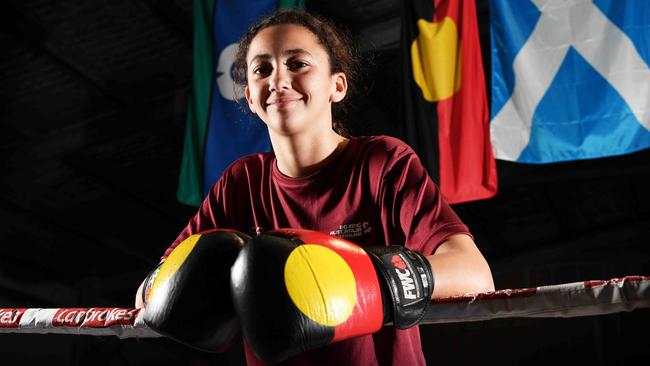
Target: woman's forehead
column 284, row 39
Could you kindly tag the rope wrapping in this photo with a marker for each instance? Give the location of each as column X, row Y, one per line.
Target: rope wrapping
column 119, row 322
column 567, row 300
column 586, row 298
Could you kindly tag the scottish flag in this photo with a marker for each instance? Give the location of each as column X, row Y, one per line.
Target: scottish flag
column 570, row 79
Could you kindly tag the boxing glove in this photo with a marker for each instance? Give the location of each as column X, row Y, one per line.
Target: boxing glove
column 297, row 290
column 187, row 297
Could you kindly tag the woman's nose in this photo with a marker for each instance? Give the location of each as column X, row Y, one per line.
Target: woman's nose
column 280, row 79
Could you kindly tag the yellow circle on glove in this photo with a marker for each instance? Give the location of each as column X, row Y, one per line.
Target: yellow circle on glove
column 173, row 263
column 321, row 284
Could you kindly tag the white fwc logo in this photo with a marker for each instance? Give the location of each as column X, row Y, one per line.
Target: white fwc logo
column 408, row 285
column 611, row 53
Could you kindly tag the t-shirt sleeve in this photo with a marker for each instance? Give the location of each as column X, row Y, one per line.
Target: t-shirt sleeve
column 413, row 207
column 211, row 213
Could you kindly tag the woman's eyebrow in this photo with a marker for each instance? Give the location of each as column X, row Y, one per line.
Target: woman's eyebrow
column 261, row 57
column 291, row 52
column 296, row 51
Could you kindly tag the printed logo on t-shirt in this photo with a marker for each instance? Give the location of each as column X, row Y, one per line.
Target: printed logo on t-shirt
column 356, row 230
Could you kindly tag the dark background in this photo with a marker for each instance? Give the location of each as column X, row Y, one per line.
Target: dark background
column 93, row 99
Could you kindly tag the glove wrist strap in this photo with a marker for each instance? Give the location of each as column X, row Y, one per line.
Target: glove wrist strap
column 409, row 280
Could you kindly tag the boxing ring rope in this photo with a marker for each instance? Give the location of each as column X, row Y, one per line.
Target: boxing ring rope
column 586, row 298
column 119, row 322
column 575, row 299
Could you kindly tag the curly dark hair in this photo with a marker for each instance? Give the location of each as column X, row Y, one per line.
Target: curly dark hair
column 337, row 43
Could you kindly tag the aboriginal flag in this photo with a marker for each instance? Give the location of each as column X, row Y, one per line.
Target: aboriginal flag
column 217, row 131
column 446, row 118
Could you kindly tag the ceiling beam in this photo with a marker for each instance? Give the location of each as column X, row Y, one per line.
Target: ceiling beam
column 36, row 36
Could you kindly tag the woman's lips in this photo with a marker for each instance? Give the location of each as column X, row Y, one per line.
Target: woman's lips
column 282, row 102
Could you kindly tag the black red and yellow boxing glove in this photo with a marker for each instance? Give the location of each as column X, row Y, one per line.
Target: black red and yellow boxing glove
column 296, row 290
column 187, row 297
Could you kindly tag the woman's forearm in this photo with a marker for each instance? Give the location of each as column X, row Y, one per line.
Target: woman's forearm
column 459, row 268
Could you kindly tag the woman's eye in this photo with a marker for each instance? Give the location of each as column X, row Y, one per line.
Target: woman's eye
column 295, row 65
column 261, row 70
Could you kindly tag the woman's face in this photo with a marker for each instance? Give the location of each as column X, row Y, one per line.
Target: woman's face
column 290, row 84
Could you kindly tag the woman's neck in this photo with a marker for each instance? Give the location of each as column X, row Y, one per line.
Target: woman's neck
column 299, row 156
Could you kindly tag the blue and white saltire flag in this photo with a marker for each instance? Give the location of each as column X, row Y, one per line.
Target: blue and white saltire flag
column 570, row 79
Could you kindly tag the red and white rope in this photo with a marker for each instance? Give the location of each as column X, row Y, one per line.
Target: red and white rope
column 120, row 322
column 566, row 300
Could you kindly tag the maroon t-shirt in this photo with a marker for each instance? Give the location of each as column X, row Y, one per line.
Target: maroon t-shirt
column 374, row 193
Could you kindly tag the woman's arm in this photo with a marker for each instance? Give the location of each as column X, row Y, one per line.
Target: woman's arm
column 459, row 268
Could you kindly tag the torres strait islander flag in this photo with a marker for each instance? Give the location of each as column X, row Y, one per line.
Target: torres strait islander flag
column 570, row 79
column 217, row 131
column 446, row 119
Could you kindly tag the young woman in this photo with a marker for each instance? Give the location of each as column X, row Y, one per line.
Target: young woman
column 296, row 70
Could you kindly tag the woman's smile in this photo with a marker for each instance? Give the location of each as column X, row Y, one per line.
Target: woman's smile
column 282, row 102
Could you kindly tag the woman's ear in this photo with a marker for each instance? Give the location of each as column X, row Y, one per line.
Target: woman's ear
column 340, row 87
column 247, row 93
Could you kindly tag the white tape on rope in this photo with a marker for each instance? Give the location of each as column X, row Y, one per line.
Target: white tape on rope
column 566, row 300
column 119, row 322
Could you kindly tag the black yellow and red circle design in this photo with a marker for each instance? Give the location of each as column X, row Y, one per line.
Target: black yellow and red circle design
column 299, row 290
